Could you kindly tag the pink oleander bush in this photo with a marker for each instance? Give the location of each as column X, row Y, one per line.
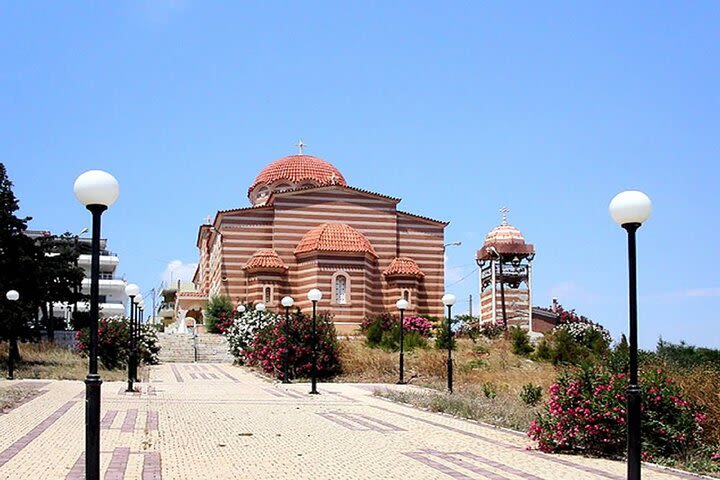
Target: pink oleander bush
column 586, row 414
column 420, row 325
column 269, row 345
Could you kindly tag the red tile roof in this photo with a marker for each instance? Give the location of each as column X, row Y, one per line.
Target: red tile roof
column 403, row 267
column 334, row 237
column 191, row 294
column 264, row 261
column 298, row 169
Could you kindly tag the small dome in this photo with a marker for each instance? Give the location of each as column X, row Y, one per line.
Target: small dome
column 336, row 238
column 264, row 261
column 505, row 240
column 403, row 267
column 504, row 233
column 293, row 172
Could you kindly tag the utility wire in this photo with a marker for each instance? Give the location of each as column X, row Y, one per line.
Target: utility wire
column 464, row 278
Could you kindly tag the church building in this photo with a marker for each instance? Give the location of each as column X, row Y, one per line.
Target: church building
column 307, row 228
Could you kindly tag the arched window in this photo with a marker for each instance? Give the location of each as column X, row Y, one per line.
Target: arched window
column 267, row 295
column 406, row 295
column 341, row 289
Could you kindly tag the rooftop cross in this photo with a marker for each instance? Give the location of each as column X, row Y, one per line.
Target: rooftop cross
column 300, row 146
column 504, row 211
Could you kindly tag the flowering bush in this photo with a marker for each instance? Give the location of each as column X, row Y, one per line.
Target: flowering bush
column 585, row 333
column 383, row 331
column 114, row 342
column 420, row 325
column 271, row 343
column 586, row 413
column 148, row 345
column 241, row 332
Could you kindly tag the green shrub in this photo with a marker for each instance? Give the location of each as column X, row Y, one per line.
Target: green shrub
column 441, row 336
column 481, row 349
column 373, row 334
column 489, row 390
column 476, row 364
column 520, row 341
column 219, row 312
column 531, row 394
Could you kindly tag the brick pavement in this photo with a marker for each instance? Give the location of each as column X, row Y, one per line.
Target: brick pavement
column 203, row 421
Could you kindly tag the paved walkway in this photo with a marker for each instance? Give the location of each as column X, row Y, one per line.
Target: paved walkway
column 220, row 422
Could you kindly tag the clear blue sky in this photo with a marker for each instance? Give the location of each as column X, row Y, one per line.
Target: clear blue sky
column 550, row 108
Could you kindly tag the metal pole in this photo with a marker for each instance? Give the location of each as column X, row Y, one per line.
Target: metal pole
column 633, row 390
column 130, row 357
column 12, row 346
column 402, row 350
column 502, row 293
column 449, row 359
column 287, row 345
column 313, row 371
column 93, row 381
column 138, row 358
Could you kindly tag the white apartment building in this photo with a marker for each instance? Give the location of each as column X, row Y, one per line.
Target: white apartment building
column 112, row 299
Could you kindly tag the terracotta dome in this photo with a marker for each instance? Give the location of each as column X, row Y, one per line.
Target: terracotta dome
column 504, row 233
column 336, row 238
column 264, row 261
column 506, row 240
column 296, row 171
column 403, row 267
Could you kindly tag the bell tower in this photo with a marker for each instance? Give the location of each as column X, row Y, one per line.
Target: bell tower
column 505, row 262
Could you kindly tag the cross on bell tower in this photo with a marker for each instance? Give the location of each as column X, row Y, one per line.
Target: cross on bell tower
column 300, row 146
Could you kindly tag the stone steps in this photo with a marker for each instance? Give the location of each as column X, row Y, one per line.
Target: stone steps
column 178, row 347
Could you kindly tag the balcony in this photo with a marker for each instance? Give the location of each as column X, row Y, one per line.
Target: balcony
column 166, row 309
column 109, row 260
column 106, row 309
column 108, row 286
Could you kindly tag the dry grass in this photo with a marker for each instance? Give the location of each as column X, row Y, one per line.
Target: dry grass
column 49, row 361
column 505, row 410
column 487, row 379
column 13, row 395
column 473, row 367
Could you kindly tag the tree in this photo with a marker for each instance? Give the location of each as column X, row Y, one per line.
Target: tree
column 58, row 276
column 17, row 266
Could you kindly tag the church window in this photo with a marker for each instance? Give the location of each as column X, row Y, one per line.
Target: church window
column 267, row 296
column 341, row 289
column 406, row 295
column 283, row 187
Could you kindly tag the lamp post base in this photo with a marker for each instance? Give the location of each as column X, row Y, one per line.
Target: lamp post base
column 92, row 426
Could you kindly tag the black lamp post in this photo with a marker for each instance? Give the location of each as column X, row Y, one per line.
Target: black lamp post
column 314, row 296
column 131, row 291
column 402, row 305
column 629, row 210
column 97, row 190
column 286, row 302
column 136, row 337
column 449, row 300
column 13, row 296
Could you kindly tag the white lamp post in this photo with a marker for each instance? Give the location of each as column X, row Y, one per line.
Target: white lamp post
column 314, row 296
column 240, row 309
column 286, row 302
column 449, row 300
column 260, row 307
column 402, row 305
column 629, row 210
column 13, row 296
column 97, row 190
